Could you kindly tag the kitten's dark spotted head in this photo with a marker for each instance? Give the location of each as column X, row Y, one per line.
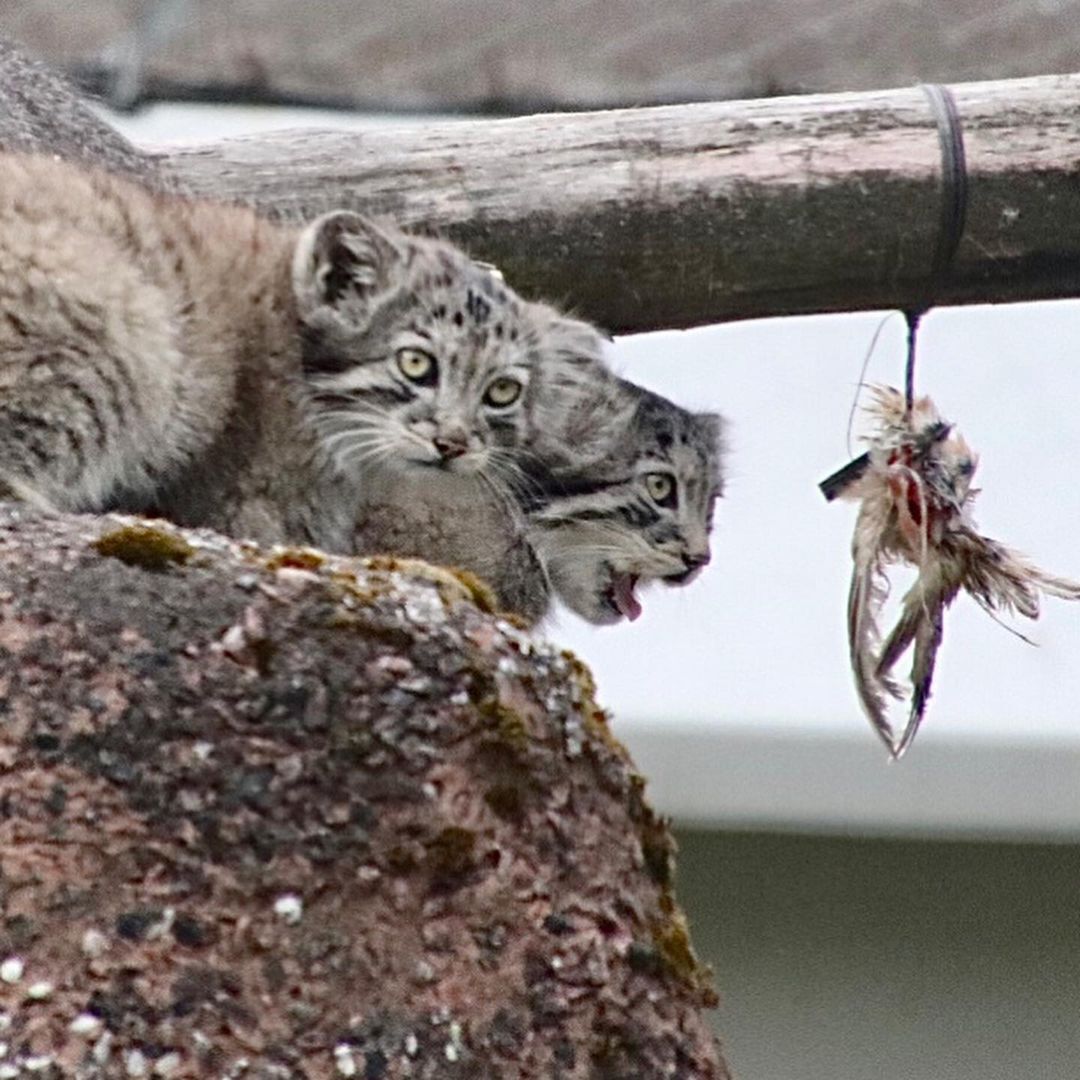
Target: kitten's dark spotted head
column 642, row 511
column 419, row 360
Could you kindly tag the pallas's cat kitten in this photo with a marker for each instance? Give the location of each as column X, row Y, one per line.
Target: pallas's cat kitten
column 634, row 504
column 194, row 360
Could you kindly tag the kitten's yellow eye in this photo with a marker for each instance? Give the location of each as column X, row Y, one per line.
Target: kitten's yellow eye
column 502, row 392
column 661, row 488
column 416, row 364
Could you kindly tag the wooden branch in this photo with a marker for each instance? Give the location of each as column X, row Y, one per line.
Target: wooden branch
column 682, row 215
column 287, row 815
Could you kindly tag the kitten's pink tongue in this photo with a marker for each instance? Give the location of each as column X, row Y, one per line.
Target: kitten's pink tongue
column 622, row 591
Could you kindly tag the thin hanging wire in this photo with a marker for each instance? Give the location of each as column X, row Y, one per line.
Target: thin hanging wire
column 954, row 197
column 913, row 319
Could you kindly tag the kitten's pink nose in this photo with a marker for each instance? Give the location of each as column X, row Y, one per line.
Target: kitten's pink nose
column 452, row 445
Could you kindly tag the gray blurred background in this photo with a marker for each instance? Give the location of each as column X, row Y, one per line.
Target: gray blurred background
column 911, row 921
column 499, row 55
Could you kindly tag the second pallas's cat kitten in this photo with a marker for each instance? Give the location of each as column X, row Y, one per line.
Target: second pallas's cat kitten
column 638, row 510
column 195, row 360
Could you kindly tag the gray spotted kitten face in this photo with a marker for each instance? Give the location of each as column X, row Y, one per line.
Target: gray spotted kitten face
column 641, row 512
column 421, row 362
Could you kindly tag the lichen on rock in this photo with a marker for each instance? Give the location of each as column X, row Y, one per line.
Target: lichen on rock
column 149, row 546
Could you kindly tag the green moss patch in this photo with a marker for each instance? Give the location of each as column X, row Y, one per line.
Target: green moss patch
column 144, row 546
column 483, row 596
column 671, row 938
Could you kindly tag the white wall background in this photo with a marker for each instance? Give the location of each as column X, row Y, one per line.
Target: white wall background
column 761, row 636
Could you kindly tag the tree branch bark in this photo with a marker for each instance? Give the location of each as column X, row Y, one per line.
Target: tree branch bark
column 682, row 215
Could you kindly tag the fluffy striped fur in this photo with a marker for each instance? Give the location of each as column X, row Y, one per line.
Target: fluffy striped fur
column 131, row 328
column 193, row 360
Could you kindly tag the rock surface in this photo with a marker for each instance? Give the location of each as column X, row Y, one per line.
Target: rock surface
column 274, row 814
column 41, row 113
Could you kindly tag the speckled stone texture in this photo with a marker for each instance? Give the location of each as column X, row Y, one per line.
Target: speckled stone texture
column 270, row 814
column 41, row 113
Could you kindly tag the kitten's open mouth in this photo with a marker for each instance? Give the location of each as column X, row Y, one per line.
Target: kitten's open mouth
column 683, row 578
column 620, row 597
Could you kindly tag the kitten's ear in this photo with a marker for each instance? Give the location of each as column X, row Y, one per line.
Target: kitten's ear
column 573, row 340
column 713, row 428
column 342, row 261
column 577, row 401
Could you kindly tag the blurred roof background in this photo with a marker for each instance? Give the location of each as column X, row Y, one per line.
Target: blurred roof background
column 522, row 55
